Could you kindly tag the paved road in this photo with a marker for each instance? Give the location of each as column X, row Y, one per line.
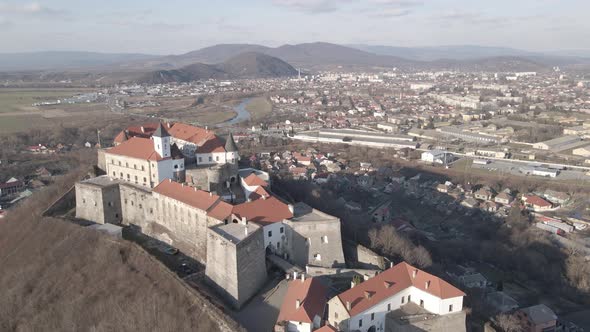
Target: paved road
column 260, row 314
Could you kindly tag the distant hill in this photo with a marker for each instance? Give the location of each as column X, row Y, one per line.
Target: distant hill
column 62, row 60
column 245, row 65
column 460, row 52
column 319, row 56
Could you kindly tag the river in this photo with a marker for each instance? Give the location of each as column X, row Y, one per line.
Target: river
column 242, row 114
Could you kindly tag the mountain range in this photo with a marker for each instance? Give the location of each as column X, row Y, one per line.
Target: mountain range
column 251, row 60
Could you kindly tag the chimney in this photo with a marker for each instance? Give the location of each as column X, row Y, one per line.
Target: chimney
column 427, row 284
column 348, row 307
column 169, row 180
column 302, row 277
column 207, row 128
column 195, row 188
column 142, row 129
column 414, row 273
column 210, row 194
column 246, row 230
column 182, row 184
column 291, row 208
column 390, row 264
column 297, row 303
column 244, row 221
column 263, row 197
column 294, row 275
column 352, row 284
column 368, row 294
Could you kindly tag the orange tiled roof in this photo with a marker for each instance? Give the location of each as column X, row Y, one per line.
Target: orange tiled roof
column 190, row 133
column 312, row 295
column 137, row 147
column 212, row 144
column 188, row 195
column 398, row 278
column 253, row 180
column 259, row 193
column 263, row 211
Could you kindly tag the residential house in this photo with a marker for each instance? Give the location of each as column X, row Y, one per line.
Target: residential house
column 536, row 203
column 364, row 307
column 538, row 318
column 503, row 198
column 303, row 305
column 484, row 194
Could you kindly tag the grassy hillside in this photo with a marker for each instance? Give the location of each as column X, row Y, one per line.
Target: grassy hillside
column 57, row 276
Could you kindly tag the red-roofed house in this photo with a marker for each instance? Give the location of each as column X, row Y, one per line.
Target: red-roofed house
column 303, row 305
column 536, row 203
column 145, row 161
column 252, row 183
column 364, row 307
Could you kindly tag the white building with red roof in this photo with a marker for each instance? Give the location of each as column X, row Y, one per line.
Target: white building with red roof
column 145, row 161
column 303, row 305
column 365, row 306
column 200, row 145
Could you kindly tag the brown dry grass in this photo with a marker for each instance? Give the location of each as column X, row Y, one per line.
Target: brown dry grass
column 57, row 276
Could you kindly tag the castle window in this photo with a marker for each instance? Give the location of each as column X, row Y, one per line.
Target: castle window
column 403, row 299
column 114, row 174
column 282, row 230
column 200, row 159
column 335, row 315
column 422, row 303
column 151, row 211
column 131, row 203
column 134, row 166
column 83, row 200
column 217, row 158
column 373, row 316
column 317, row 257
column 389, row 307
column 175, row 166
column 409, row 298
column 142, row 168
column 128, row 176
column 269, row 233
column 144, row 180
column 121, row 174
column 360, row 323
column 136, row 179
column 113, row 161
column 119, row 163
column 110, row 203
column 140, row 206
column 125, row 200
column 126, row 164
column 450, row 307
column 210, row 158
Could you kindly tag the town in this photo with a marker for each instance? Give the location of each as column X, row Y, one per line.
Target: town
column 388, row 200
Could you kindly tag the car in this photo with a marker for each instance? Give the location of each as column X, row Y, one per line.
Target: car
column 184, row 268
column 169, row 250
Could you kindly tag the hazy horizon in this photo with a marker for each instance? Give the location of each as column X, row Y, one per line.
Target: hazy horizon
column 179, row 26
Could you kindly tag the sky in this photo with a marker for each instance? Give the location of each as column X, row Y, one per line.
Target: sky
column 178, row 26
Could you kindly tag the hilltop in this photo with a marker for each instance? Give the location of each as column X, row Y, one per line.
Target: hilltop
column 244, row 65
column 63, row 277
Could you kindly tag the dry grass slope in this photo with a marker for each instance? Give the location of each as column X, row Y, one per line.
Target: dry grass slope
column 57, row 276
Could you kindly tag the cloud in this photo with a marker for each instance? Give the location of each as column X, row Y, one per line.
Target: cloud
column 32, row 10
column 460, row 17
column 311, row 6
column 391, row 8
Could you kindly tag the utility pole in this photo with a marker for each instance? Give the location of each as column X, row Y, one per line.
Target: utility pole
column 98, row 135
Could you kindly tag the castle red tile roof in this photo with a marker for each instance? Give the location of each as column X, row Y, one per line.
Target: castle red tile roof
column 259, row 193
column 213, row 144
column 263, row 211
column 220, row 210
column 312, row 296
column 190, row 133
column 137, row 147
column 188, row 195
column 327, row 328
column 253, row 180
column 136, row 131
column 391, row 282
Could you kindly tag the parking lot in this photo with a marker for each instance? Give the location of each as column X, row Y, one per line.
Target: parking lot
column 506, row 168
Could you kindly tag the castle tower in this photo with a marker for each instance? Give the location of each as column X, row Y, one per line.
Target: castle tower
column 161, row 139
column 231, row 150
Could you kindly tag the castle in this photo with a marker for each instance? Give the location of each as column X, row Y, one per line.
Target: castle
column 181, row 184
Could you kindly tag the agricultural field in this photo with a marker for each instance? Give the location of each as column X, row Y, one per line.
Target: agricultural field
column 17, row 112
